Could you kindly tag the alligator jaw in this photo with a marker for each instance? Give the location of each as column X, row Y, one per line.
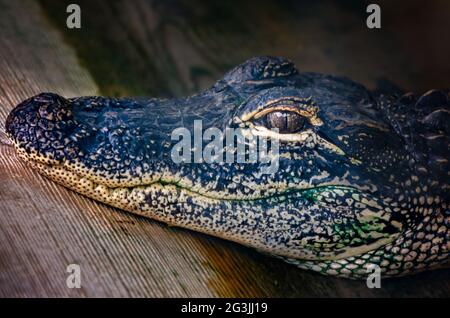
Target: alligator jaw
column 171, row 204
column 363, row 181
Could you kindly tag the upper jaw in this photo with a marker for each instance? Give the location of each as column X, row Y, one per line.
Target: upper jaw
column 51, row 130
column 71, row 176
column 237, row 188
column 91, row 142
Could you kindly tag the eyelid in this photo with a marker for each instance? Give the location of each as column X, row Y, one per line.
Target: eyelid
column 301, row 137
column 311, row 117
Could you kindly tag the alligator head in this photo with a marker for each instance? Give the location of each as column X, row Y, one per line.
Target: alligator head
column 356, row 179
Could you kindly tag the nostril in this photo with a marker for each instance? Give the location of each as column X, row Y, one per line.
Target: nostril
column 45, row 112
column 31, row 110
column 39, row 124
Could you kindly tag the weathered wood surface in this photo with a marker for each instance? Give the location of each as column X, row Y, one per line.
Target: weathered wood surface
column 44, row 227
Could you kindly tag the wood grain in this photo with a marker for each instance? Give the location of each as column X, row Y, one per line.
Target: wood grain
column 44, row 227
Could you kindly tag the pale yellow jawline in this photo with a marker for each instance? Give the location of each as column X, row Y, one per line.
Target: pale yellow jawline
column 126, row 199
column 88, row 174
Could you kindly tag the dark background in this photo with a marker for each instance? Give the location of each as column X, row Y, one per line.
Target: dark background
column 176, row 47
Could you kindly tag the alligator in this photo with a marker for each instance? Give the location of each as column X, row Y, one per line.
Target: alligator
column 362, row 177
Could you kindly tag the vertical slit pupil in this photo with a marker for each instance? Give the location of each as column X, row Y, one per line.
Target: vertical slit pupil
column 286, row 122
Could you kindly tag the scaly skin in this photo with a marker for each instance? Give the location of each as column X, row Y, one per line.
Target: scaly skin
column 365, row 179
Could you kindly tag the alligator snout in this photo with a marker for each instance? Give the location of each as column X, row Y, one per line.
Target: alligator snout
column 40, row 126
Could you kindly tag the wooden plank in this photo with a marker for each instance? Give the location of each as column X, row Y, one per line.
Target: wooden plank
column 44, row 227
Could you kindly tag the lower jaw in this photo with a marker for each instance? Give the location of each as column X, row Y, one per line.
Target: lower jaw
column 133, row 199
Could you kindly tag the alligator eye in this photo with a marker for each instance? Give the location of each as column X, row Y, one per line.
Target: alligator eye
column 286, row 122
